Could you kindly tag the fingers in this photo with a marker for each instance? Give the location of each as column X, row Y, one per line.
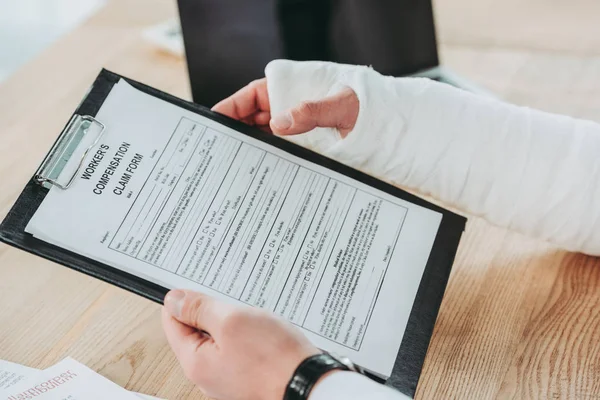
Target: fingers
column 196, row 310
column 251, row 106
column 191, row 322
column 339, row 111
column 246, row 101
column 188, row 343
column 262, row 118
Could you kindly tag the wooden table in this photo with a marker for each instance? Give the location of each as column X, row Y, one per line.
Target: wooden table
column 520, row 319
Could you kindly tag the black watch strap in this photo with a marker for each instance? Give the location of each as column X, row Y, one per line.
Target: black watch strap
column 308, row 373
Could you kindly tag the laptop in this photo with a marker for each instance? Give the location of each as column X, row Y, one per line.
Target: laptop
column 229, row 42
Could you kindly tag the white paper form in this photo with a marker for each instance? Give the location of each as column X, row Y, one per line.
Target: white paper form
column 11, row 374
column 67, row 380
column 185, row 202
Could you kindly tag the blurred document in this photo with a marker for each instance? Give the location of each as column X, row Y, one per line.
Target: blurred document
column 167, row 36
column 67, row 380
column 11, row 374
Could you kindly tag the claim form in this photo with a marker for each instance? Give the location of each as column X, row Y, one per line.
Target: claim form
column 185, row 202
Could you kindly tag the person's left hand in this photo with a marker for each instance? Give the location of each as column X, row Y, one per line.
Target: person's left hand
column 251, row 105
column 232, row 352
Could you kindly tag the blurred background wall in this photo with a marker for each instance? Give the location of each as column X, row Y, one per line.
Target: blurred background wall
column 27, row 27
column 507, row 46
column 527, row 51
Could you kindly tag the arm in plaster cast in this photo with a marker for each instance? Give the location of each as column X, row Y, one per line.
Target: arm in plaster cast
column 526, row 170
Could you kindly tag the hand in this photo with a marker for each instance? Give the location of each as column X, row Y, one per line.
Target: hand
column 232, row 353
column 251, row 105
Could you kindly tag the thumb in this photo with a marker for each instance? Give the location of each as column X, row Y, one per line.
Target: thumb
column 195, row 310
column 339, row 111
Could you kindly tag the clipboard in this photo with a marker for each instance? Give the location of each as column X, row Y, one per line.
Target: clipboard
column 411, row 356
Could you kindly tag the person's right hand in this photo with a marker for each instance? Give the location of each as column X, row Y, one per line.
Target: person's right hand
column 251, row 105
column 233, row 352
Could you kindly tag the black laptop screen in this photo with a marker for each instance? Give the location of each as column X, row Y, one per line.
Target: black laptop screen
column 229, row 42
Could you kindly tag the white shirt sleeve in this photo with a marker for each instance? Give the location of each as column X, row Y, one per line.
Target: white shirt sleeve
column 350, row 385
column 526, row 170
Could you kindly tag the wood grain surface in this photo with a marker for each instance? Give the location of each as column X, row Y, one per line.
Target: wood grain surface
column 520, row 318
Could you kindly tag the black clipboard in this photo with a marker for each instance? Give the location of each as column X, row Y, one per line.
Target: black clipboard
column 415, row 342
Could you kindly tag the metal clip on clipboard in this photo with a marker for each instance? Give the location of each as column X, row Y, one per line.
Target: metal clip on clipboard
column 58, row 157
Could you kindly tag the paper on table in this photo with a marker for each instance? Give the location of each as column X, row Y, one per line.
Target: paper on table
column 11, row 374
column 68, row 380
column 183, row 201
column 167, row 36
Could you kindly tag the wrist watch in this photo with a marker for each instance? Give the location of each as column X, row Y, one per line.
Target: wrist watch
column 311, row 370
